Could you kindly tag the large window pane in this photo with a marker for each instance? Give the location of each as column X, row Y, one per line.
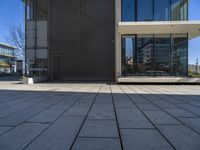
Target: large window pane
column 128, row 10
column 179, row 55
column 179, row 10
column 184, row 10
column 128, row 55
column 29, row 9
column 145, row 55
column 162, row 45
column 145, row 10
column 161, row 10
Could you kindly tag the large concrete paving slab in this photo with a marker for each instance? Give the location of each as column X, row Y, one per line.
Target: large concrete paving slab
column 180, row 113
column 193, row 123
column 4, row 129
column 47, row 116
column 97, row 144
column 144, row 139
column 132, row 118
column 161, row 117
column 102, row 111
column 182, row 137
column 148, row 107
column 59, row 136
column 19, row 137
column 99, row 128
column 99, row 116
column 74, row 111
column 21, row 116
column 190, row 108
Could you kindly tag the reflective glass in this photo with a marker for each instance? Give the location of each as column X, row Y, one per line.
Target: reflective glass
column 128, row 10
column 162, row 45
column 145, row 55
column 128, row 55
column 155, row 55
column 179, row 10
column 161, row 10
column 179, row 55
column 145, row 10
column 29, row 9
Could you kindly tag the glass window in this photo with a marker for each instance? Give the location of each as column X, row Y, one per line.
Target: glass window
column 29, row 10
column 128, row 10
column 162, row 47
column 128, row 55
column 145, row 10
column 161, row 10
column 145, row 55
column 179, row 10
column 179, row 55
column 184, row 10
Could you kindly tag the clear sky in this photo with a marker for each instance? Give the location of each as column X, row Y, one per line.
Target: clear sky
column 194, row 45
column 11, row 12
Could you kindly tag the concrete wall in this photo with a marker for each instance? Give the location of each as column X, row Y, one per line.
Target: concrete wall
column 117, row 40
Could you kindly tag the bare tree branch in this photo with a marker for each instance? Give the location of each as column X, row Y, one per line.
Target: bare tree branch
column 17, row 38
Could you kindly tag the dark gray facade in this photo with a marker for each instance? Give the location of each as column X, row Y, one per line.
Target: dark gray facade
column 81, row 39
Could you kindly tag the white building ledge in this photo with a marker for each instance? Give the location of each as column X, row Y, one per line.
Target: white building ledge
column 160, row 27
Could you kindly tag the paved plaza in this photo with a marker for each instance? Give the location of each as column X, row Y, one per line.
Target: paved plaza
column 99, row 116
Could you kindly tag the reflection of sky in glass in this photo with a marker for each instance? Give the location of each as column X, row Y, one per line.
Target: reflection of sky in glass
column 145, row 10
column 128, row 13
column 129, row 47
column 161, row 12
column 194, row 45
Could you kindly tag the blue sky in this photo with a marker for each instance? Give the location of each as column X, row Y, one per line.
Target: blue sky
column 11, row 12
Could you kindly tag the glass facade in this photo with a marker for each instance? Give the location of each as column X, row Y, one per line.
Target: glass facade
column 29, row 9
column 179, row 10
column 161, row 10
column 7, row 60
column 36, row 37
column 144, row 54
column 179, row 55
column 154, row 10
column 128, row 10
column 162, row 47
column 128, row 55
column 7, row 51
column 155, row 55
column 145, row 10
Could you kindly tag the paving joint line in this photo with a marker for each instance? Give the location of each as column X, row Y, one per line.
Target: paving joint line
column 85, row 118
column 148, row 118
column 166, row 111
column 114, row 106
column 53, row 121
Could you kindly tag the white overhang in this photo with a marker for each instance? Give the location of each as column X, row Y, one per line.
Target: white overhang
column 192, row 28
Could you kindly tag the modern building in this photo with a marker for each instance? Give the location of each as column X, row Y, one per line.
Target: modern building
column 7, row 59
column 108, row 39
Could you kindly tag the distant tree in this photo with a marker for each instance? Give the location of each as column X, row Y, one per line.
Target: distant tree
column 17, row 38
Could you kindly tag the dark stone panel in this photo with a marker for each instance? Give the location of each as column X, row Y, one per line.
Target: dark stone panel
column 82, row 31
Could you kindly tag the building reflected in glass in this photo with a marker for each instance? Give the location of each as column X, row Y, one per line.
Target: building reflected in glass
column 155, row 55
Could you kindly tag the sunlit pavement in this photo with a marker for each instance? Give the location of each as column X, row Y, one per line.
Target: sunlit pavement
column 78, row 116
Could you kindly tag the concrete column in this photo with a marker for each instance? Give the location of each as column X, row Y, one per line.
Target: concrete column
column 117, row 40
